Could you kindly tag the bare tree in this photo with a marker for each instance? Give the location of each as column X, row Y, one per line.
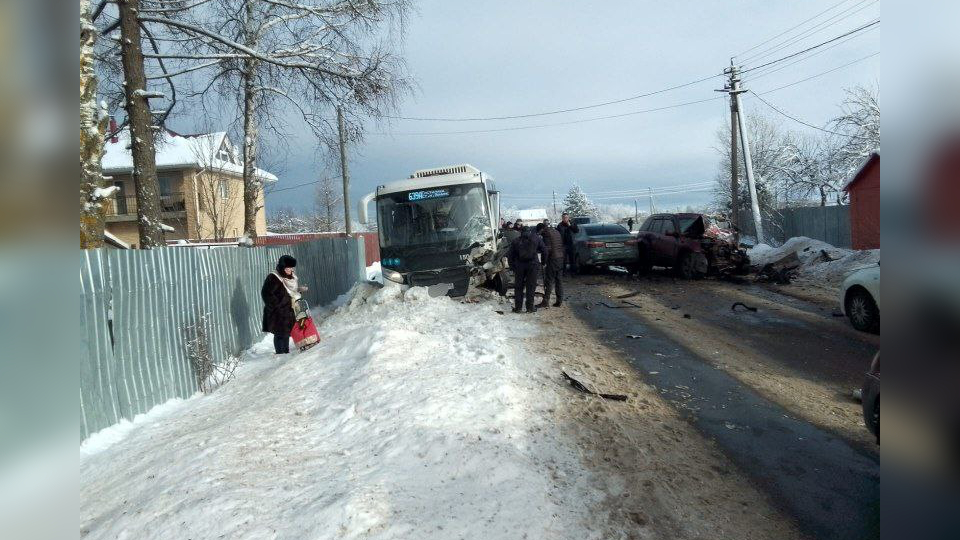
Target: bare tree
column 860, row 121
column 310, row 55
column 769, row 148
column 329, row 206
column 137, row 104
column 268, row 55
column 286, row 220
column 218, row 194
column 812, row 167
column 92, row 127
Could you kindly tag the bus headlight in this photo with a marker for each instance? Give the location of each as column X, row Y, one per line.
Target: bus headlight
column 392, row 275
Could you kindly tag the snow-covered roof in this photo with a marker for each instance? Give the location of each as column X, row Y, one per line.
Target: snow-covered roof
column 429, row 182
column 532, row 214
column 863, row 167
column 112, row 239
column 175, row 151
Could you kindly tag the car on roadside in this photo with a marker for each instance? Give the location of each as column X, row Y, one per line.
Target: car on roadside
column 870, row 396
column 601, row 245
column 860, row 298
column 692, row 244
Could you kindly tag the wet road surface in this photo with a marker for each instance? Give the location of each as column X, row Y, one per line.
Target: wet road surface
column 832, row 488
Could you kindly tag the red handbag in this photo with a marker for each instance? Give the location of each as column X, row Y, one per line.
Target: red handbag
column 304, row 334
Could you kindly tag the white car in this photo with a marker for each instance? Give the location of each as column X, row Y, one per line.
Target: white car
column 860, row 298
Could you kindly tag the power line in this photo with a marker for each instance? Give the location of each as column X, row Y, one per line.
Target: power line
column 821, row 74
column 299, row 185
column 558, row 111
column 581, row 121
column 773, row 69
column 801, row 23
column 817, row 46
column 819, row 27
column 799, row 121
column 627, row 192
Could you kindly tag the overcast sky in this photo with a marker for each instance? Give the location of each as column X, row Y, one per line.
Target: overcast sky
column 504, row 57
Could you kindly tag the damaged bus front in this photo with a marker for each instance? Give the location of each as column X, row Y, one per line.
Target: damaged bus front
column 439, row 229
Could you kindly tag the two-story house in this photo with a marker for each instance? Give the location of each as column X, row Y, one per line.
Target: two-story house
column 200, row 179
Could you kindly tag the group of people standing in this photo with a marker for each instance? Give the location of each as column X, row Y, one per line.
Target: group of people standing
column 540, row 247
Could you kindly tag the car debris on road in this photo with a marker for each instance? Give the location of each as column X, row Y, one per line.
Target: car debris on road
column 746, row 307
column 577, row 385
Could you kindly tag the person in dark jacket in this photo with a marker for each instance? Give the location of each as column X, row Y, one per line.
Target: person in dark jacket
column 280, row 289
column 567, row 229
column 630, row 224
column 522, row 258
column 552, row 265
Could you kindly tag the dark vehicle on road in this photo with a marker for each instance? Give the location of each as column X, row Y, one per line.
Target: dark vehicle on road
column 604, row 245
column 871, row 398
column 691, row 244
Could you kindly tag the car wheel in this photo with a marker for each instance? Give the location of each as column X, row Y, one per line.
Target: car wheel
column 686, row 267
column 863, row 312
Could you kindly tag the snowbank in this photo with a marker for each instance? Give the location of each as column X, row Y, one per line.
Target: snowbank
column 816, row 268
column 374, row 273
column 415, row 417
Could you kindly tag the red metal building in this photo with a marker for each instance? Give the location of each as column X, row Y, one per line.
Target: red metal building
column 864, row 191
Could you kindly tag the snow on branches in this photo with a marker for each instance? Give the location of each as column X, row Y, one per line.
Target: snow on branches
column 576, row 203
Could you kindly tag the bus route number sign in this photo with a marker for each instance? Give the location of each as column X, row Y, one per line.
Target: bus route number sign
column 428, row 194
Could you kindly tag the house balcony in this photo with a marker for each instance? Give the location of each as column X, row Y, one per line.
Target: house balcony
column 172, row 205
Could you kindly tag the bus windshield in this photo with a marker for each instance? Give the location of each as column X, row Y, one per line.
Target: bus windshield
column 454, row 217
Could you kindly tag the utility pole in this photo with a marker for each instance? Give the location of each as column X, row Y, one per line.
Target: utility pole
column 734, row 164
column 142, row 150
column 554, row 204
column 653, row 208
column 734, row 90
column 344, row 171
column 636, row 210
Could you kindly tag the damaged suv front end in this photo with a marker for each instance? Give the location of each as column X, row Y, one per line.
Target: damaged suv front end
column 720, row 245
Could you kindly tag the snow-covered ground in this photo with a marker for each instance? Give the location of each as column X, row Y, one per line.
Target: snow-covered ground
column 414, row 417
column 814, row 268
column 374, row 273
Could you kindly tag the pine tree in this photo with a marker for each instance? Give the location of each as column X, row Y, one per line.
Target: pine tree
column 576, row 204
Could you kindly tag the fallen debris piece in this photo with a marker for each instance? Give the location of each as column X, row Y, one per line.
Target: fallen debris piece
column 634, row 336
column 686, row 316
column 498, row 312
column 629, row 295
column 748, row 308
column 781, row 271
column 579, row 386
column 630, row 305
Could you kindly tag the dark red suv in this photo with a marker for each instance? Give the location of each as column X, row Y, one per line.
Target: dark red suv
column 691, row 244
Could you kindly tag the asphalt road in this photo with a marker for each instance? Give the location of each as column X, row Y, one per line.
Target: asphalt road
column 828, row 484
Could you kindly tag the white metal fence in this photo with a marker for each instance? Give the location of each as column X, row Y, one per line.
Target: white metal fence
column 136, row 307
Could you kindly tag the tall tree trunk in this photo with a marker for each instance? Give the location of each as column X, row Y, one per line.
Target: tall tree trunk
column 251, row 184
column 140, row 121
column 92, row 129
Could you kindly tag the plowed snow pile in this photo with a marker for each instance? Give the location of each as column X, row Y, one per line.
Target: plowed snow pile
column 815, row 267
column 415, row 417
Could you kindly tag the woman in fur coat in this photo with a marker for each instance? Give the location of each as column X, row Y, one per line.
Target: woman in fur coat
column 279, row 293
